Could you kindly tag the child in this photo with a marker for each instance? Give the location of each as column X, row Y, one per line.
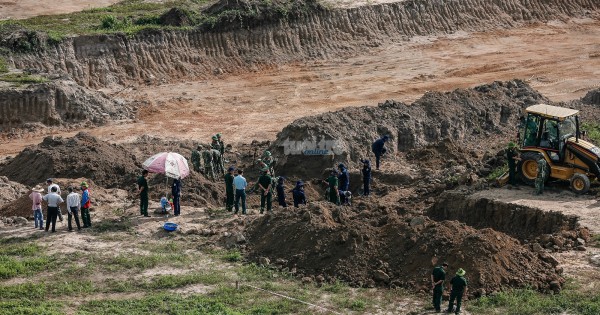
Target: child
column 164, row 204
column 281, row 192
column 36, row 198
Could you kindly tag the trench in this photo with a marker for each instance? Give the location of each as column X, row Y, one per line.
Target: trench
column 522, row 222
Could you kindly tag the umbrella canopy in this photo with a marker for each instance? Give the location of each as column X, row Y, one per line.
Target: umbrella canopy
column 169, row 163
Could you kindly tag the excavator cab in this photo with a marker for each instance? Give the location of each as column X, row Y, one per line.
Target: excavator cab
column 552, row 132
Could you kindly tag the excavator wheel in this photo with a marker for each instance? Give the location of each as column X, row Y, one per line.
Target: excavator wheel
column 527, row 167
column 580, row 183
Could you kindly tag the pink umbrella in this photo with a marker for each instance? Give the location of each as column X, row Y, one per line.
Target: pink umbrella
column 169, row 163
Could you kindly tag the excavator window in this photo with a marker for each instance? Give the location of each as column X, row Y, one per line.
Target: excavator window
column 530, row 136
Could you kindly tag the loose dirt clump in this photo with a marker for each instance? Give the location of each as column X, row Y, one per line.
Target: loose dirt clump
column 371, row 246
column 592, row 97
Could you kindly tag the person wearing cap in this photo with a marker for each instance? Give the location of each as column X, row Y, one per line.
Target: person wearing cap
column 512, row 156
column 298, row 194
column 143, row 193
column 281, row 192
column 229, row 188
column 36, row 199
column 265, row 184
column 54, row 200
column 221, row 145
column 86, row 203
column 240, row 184
column 366, row 173
column 459, row 286
column 438, row 275
column 50, row 184
column 344, row 182
column 176, row 195
column 73, row 207
column 195, row 158
column 378, row 148
column 333, row 184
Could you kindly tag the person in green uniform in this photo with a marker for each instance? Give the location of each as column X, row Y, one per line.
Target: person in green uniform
column 333, row 183
column 542, row 166
column 265, row 185
column 438, row 275
column 221, row 145
column 229, row 188
column 143, row 193
column 196, row 158
column 207, row 159
column 459, row 286
column 512, row 156
column 531, row 132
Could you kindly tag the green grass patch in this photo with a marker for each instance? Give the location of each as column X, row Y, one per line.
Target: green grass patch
column 593, row 132
column 44, row 289
column 28, row 307
column 497, row 172
column 22, row 259
column 571, row 300
column 233, row 256
column 21, row 78
column 142, row 262
column 121, row 225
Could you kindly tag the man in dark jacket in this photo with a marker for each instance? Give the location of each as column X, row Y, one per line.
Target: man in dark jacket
column 298, row 194
column 281, row 192
column 344, row 182
column 229, row 188
column 438, row 275
column 379, row 149
column 176, row 194
column 366, row 173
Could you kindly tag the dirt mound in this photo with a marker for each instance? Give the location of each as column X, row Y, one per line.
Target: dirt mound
column 80, row 156
column 176, row 17
column 59, row 102
column 236, row 14
column 468, row 116
column 376, row 246
column 592, row 97
column 10, row 191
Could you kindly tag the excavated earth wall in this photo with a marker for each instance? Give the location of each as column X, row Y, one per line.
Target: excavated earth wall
column 59, row 102
column 158, row 56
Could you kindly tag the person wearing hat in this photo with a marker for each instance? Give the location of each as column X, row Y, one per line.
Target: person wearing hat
column 267, row 159
column 344, row 182
column 459, row 286
column 366, row 173
column 229, row 188
column 176, row 196
column 221, row 145
column 266, row 194
column 378, row 148
column 281, row 192
column 86, row 203
column 51, row 184
column 217, row 158
column 332, row 186
column 438, row 276
column 73, row 208
column 512, row 156
column 298, row 194
column 54, row 200
column 36, row 198
column 207, row 160
column 143, row 193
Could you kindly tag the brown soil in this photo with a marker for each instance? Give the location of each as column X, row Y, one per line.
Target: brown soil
column 365, row 246
column 21, row 9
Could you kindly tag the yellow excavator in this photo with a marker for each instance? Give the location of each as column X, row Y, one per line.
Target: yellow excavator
column 553, row 133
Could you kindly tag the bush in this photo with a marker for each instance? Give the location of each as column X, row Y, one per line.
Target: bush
column 109, row 22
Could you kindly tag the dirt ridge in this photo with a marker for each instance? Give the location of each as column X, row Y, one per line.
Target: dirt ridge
column 165, row 56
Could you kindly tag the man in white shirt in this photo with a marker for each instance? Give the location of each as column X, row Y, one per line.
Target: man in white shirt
column 54, row 200
column 50, row 185
column 73, row 206
column 240, row 191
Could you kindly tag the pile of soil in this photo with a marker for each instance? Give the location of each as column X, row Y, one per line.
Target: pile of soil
column 469, row 117
column 10, row 191
column 368, row 246
column 592, row 97
column 83, row 155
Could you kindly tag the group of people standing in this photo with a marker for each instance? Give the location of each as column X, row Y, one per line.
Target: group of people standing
column 458, row 284
column 210, row 160
column 53, row 199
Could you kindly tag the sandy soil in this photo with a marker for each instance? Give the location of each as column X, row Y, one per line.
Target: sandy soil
column 22, row 9
column 561, row 60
